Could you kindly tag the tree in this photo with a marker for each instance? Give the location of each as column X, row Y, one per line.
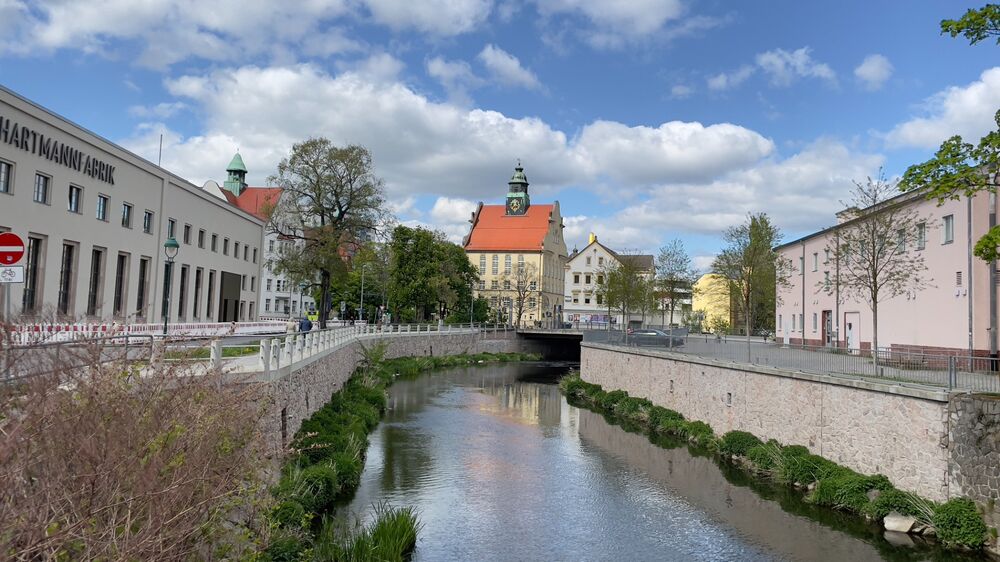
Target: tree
column 975, row 25
column 522, row 284
column 874, row 248
column 330, row 198
column 960, row 169
column 675, row 276
column 750, row 262
column 624, row 286
column 428, row 273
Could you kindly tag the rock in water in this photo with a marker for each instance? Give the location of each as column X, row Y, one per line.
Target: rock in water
column 899, row 523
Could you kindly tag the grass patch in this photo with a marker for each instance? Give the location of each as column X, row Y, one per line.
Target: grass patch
column 205, row 352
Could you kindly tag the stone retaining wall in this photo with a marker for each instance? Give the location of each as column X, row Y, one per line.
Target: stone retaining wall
column 292, row 398
column 870, row 427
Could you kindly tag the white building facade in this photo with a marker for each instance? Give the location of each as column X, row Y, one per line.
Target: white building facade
column 584, row 303
column 95, row 217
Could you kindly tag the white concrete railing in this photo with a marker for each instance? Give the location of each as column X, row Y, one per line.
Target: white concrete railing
column 62, row 332
column 283, row 353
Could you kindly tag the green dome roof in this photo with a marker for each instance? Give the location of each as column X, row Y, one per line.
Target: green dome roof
column 236, row 165
column 518, row 177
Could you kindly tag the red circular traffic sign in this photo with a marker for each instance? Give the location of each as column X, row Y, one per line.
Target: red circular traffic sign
column 11, row 248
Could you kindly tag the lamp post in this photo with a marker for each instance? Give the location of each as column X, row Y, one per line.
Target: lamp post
column 302, row 303
column 170, row 248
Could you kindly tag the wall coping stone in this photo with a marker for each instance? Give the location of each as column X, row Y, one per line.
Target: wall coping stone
column 903, row 389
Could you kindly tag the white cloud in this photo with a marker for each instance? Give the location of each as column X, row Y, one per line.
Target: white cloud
column 633, row 18
column 452, row 210
column 702, row 263
column 159, row 111
column 785, row 66
column 724, row 81
column 456, row 77
column 874, row 71
column 169, row 31
column 506, row 69
column 377, row 68
column 680, row 91
column 967, row 111
column 437, row 17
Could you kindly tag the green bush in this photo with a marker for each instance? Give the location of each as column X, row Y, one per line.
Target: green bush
column 893, row 500
column 738, row 443
column 284, row 548
column 610, row 399
column 958, row 522
column 764, row 456
column 794, row 451
column 699, row 432
column 806, row 469
column 317, row 488
column 848, row 490
column 290, row 514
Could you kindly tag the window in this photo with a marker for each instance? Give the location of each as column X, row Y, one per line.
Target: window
column 253, row 282
column 576, row 278
column 267, row 305
column 900, row 240
column 30, row 297
column 482, row 264
column 41, row 189
column 493, row 302
column 482, row 285
column 126, row 215
column 201, row 243
column 75, row 197
column 506, row 264
column 236, row 250
column 600, row 279
column 600, row 299
column 586, row 300
column 793, row 322
column 215, row 242
column 187, row 234
column 182, row 294
column 246, row 253
column 5, row 176
column 533, row 286
column 95, row 294
column 496, row 264
column 494, row 284
column 779, row 322
column 532, row 303
column 802, row 265
column 255, row 261
column 826, row 280
column 268, row 284
column 147, row 222
column 826, row 256
column 815, row 322
column 921, row 235
column 802, row 323
column 225, row 246
column 211, row 293
column 66, row 279
column 243, row 282
column 506, row 284
column 958, row 278
column 588, row 260
column 121, row 285
column 140, row 301
column 576, row 299
column 949, row 229
column 102, row 207
column 520, row 262
column 600, row 261
column 815, row 261
column 171, row 227
column 586, row 279
column 270, row 245
column 199, row 274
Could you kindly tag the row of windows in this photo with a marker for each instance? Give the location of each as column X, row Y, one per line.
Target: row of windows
column 283, row 310
column 214, row 246
column 586, row 299
column 508, row 302
column 496, row 284
column 587, row 278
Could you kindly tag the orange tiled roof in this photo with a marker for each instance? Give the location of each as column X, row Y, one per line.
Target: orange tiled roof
column 253, row 199
column 494, row 230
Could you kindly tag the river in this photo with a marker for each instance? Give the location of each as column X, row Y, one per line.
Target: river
column 500, row 467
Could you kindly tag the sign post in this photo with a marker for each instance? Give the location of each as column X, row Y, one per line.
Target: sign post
column 11, row 252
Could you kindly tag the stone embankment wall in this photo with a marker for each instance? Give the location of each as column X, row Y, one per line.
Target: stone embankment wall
column 900, row 432
column 293, row 397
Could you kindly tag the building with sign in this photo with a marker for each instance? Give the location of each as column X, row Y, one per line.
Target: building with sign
column 519, row 251
column 95, row 218
column 279, row 296
column 584, row 276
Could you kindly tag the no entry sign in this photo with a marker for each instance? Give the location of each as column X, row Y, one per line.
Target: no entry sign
column 11, row 248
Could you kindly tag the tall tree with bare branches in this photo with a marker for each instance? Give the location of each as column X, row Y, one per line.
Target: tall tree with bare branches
column 876, row 248
column 331, row 198
column 675, row 275
column 521, row 284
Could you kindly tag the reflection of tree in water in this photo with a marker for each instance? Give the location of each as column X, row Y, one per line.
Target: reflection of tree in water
column 405, row 458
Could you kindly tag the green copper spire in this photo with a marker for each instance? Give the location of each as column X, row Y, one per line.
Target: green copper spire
column 517, row 192
column 237, row 180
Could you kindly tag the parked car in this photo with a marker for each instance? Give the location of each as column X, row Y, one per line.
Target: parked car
column 654, row 338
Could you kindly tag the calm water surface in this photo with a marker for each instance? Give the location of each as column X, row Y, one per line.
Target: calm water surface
column 500, row 467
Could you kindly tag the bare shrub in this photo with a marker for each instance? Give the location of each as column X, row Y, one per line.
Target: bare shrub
column 123, row 460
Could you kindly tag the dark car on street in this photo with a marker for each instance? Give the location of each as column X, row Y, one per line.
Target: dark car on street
column 654, row 338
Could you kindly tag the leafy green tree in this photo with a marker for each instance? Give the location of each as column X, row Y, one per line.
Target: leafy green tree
column 625, row 286
column 330, row 198
column 975, row 25
column 750, row 263
column 428, row 274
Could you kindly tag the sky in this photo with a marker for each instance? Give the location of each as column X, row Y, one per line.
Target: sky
column 648, row 120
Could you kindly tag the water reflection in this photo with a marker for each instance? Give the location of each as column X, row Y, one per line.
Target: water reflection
column 503, row 469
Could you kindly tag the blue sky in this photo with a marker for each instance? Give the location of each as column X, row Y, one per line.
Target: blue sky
column 647, row 120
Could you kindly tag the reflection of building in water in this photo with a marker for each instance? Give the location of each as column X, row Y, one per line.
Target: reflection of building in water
column 528, row 402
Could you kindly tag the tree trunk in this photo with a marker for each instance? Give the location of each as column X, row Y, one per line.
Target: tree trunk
column 324, row 308
column 874, row 333
column 746, row 322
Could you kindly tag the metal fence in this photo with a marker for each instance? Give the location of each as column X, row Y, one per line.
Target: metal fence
column 953, row 372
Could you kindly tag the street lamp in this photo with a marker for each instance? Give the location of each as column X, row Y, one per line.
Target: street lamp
column 302, row 303
column 170, row 248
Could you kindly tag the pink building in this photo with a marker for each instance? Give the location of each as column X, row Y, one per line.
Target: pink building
column 956, row 314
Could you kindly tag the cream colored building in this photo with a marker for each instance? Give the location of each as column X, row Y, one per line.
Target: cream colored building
column 585, row 270
column 94, row 218
column 519, row 237
column 712, row 300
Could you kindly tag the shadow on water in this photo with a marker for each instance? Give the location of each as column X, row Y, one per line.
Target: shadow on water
column 501, row 467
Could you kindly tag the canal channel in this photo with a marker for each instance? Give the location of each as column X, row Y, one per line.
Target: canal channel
column 500, row 467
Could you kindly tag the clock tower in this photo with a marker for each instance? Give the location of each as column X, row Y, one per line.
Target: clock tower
column 517, row 193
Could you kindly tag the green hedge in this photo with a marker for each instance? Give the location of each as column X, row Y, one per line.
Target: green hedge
column 957, row 522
